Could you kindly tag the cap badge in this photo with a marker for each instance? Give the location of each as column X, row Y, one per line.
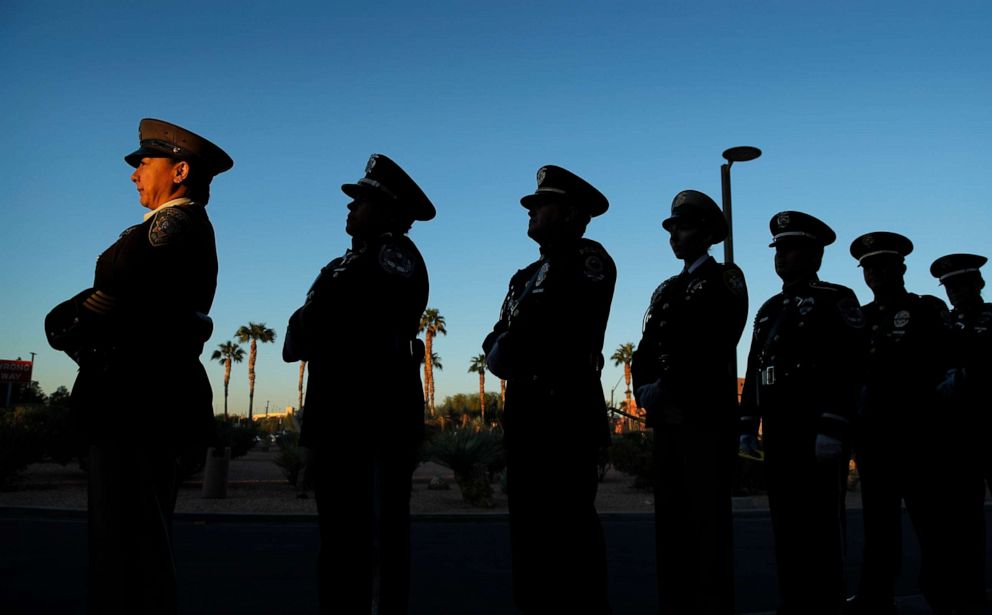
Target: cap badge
column 540, row 176
column 782, row 220
column 371, row 164
column 868, row 240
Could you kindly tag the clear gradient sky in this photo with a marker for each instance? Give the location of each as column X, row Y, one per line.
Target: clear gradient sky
column 871, row 116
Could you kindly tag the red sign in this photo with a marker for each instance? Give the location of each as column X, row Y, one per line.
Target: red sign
column 15, row 371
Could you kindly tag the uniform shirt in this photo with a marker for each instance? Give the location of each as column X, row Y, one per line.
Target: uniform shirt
column 550, row 334
column 357, row 330
column 688, row 342
column 805, row 365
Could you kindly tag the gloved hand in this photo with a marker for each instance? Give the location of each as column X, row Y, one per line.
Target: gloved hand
column 649, row 396
column 828, row 448
column 748, row 446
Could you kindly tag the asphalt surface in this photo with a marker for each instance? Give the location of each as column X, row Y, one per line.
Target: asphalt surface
column 249, row 564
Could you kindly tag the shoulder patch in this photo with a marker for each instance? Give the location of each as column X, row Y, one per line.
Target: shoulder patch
column 396, row 260
column 733, row 278
column 851, row 312
column 595, row 264
column 167, row 226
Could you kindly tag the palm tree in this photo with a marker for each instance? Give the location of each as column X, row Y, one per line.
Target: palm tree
column 253, row 332
column 478, row 365
column 435, row 365
column 625, row 354
column 431, row 324
column 227, row 353
column 303, row 369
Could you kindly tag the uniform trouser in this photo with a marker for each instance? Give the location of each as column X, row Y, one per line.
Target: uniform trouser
column 964, row 514
column 890, row 476
column 131, row 498
column 806, row 501
column 693, row 519
column 557, row 547
column 363, row 505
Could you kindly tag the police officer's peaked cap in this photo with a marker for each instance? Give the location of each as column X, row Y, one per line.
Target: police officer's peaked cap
column 880, row 243
column 385, row 180
column 694, row 207
column 558, row 183
column 158, row 139
column 956, row 264
column 791, row 225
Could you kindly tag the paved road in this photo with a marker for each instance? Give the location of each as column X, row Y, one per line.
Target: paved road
column 252, row 566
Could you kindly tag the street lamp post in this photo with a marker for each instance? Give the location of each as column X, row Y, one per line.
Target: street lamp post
column 742, row 153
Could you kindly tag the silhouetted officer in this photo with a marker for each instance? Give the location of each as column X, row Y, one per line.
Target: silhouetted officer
column 357, row 331
column 969, row 423
column 142, row 394
column 896, row 449
column 803, row 378
column 683, row 371
column 548, row 346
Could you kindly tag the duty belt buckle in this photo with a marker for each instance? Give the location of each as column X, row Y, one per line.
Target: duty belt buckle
column 768, row 376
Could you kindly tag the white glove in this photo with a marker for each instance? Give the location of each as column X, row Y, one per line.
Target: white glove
column 828, row 448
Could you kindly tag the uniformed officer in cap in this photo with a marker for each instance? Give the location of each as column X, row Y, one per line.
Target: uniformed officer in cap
column 803, row 379
column 153, row 288
column 548, row 346
column 970, row 423
column 684, row 376
column 898, row 456
column 357, row 331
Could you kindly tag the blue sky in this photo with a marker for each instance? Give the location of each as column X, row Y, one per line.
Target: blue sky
column 872, row 116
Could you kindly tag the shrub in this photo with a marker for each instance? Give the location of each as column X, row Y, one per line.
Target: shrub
column 239, row 435
column 472, row 457
column 290, row 458
column 632, row 453
column 20, row 444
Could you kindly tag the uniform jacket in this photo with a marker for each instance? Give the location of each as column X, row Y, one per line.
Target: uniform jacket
column 971, row 338
column 689, row 341
column 550, row 334
column 908, row 357
column 358, row 330
column 138, row 333
column 805, row 365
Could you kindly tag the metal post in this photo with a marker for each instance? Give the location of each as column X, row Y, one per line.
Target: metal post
column 728, row 243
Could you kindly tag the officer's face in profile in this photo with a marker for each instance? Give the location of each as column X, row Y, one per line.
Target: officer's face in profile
column 159, row 180
column 689, row 240
column 796, row 259
column 548, row 218
column 884, row 273
column 964, row 291
column 369, row 217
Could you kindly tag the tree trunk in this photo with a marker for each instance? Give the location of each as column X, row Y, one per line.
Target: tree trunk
column 303, row 368
column 428, row 372
column 631, row 407
column 251, row 380
column 502, row 391
column 482, row 394
column 227, row 381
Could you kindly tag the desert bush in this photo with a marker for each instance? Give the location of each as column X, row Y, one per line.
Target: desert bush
column 472, row 457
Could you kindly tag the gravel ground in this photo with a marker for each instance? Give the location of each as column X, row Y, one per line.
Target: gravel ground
column 256, row 485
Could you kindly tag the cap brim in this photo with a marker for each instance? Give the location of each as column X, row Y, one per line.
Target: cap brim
column 420, row 212
column 134, row 158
